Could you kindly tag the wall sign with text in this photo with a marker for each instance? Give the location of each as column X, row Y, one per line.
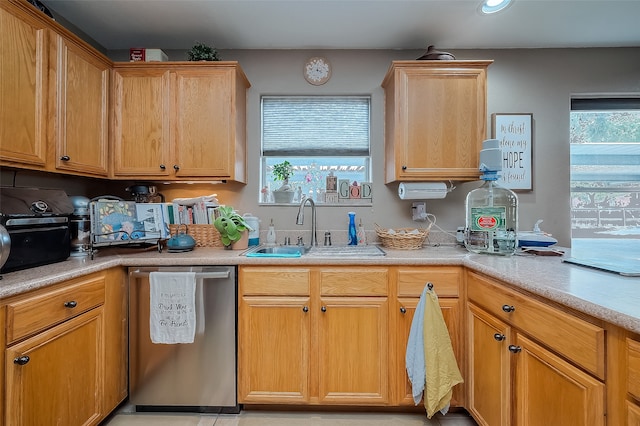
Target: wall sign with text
column 514, row 131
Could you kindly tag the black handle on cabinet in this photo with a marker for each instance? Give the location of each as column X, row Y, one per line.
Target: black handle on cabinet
column 21, row 360
column 176, row 167
column 305, row 309
column 515, row 349
column 403, row 310
column 323, row 309
column 404, row 167
column 499, row 337
column 70, row 304
column 508, row 308
column 162, row 167
column 65, row 158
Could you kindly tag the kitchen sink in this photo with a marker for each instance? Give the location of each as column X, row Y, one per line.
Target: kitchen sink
column 317, row 251
column 276, row 251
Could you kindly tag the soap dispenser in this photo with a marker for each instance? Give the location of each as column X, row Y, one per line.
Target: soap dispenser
column 362, row 237
column 271, row 234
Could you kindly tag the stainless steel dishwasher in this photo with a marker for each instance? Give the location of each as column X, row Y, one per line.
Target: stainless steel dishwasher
column 195, row 377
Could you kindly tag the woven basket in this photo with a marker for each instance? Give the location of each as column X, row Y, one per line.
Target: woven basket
column 403, row 238
column 205, row 235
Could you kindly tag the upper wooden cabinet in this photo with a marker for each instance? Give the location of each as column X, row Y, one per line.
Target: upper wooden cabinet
column 23, row 87
column 174, row 121
column 435, row 120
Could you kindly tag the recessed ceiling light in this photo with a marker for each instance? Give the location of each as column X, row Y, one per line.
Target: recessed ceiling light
column 488, row 7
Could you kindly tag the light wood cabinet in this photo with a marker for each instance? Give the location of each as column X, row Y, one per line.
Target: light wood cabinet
column 65, row 352
column 80, row 105
column 410, row 282
column 547, row 363
column 435, row 120
column 23, row 84
column 316, row 335
column 179, row 121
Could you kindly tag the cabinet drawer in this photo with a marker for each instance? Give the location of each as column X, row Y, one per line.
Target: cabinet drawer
column 633, row 365
column 446, row 281
column 269, row 281
column 574, row 338
column 354, row 281
column 39, row 312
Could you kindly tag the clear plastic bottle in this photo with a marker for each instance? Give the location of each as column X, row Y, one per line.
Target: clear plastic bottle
column 353, row 236
column 491, row 218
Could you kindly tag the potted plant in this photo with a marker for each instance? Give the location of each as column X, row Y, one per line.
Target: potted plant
column 282, row 171
column 202, row 52
column 232, row 227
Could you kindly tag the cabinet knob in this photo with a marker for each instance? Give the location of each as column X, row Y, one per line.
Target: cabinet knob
column 21, row 360
column 499, row 337
column 323, row 309
column 176, row 167
column 508, row 308
column 305, row 309
column 70, row 304
column 65, row 158
column 515, row 349
column 404, row 167
column 163, row 167
column 403, row 310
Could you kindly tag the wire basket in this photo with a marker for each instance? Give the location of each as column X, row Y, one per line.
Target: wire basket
column 205, row 235
column 403, row 238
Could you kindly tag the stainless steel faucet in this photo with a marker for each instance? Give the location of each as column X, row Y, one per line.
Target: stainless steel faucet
column 300, row 218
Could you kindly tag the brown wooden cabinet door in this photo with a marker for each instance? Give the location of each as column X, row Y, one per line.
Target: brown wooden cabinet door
column 353, row 350
column 406, row 308
column 549, row 390
column 115, row 336
column 273, row 349
column 141, row 133
column 80, row 99
column 489, row 366
column 23, row 88
column 203, row 122
column 61, row 382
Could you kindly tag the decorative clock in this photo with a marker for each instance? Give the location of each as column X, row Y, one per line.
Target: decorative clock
column 317, row 70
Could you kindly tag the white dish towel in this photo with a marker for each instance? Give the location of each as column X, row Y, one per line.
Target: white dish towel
column 172, row 313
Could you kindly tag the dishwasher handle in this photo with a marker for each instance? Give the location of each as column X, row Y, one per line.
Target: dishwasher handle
column 199, row 275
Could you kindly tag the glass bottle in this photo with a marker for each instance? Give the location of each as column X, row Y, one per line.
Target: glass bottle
column 353, row 236
column 491, row 218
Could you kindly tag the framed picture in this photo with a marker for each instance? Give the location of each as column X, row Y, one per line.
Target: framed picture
column 515, row 133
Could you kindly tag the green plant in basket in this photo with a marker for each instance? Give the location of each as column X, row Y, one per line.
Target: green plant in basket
column 230, row 225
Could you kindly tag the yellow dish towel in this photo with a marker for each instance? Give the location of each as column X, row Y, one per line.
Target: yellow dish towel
column 442, row 372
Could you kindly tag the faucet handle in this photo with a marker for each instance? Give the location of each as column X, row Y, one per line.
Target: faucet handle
column 300, row 242
column 327, row 238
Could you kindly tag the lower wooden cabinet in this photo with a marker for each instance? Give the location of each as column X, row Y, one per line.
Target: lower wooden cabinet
column 516, row 378
column 65, row 354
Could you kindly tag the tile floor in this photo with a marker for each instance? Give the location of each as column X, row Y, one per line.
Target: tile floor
column 279, row 418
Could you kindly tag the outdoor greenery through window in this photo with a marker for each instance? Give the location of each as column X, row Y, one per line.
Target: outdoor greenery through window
column 319, row 136
column 605, row 177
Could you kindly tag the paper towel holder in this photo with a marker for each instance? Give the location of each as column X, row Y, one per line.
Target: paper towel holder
column 424, row 190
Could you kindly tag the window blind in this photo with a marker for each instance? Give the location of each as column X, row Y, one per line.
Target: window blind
column 315, row 126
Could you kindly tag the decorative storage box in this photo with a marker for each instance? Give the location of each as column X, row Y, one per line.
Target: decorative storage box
column 147, row 55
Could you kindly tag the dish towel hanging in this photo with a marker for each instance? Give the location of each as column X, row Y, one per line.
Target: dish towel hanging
column 431, row 364
column 172, row 317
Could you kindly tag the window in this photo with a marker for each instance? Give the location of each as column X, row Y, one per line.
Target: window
column 319, row 136
column 605, row 177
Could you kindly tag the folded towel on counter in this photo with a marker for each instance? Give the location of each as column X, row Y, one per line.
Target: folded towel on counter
column 430, row 361
column 172, row 317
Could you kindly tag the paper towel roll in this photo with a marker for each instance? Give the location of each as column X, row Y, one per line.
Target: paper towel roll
column 422, row 190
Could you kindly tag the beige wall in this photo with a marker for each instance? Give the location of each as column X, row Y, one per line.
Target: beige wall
column 520, row 80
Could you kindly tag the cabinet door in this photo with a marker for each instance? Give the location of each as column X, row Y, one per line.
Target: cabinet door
column 549, row 390
column 141, row 137
column 203, row 123
column 60, row 384
column 489, row 378
column 81, row 101
column 23, row 88
column 353, row 350
column 273, row 349
column 451, row 313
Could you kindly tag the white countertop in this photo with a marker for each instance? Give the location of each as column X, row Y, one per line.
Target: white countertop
column 607, row 296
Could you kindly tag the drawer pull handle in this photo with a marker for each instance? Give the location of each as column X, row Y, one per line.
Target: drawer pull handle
column 305, row 309
column 65, row 158
column 508, row 308
column 323, row 309
column 162, row 167
column 515, row 349
column 499, row 337
column 176, row 167
column 21, row 360
column 403, row 310
column 70, row 304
